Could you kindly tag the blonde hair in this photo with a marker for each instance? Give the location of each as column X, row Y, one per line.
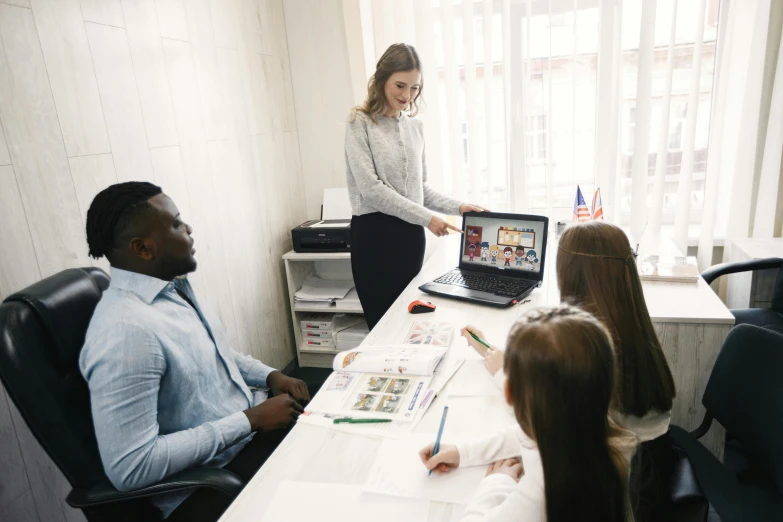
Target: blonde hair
column 398, row 57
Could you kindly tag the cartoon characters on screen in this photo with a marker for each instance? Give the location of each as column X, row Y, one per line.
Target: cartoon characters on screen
column 519, row 255
column 532, row 260
column 493, row 254
column 484, row 251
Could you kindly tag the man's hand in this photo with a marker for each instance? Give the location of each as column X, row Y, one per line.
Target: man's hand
column 282, row 384
column 274, row 414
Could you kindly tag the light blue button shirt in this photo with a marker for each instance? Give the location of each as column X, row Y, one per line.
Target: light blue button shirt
column 167, row 392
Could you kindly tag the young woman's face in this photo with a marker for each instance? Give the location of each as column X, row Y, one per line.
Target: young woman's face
column 401, row 88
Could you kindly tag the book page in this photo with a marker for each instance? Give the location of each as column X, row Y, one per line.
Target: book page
column 374, row 396
column 394, row 359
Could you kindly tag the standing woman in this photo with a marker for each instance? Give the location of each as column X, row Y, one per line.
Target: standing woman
column 387, row 183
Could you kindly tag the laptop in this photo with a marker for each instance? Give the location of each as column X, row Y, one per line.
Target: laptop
column 501, row 259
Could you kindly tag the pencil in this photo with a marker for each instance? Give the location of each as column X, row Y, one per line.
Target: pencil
column 479, row 339
column 440, row 433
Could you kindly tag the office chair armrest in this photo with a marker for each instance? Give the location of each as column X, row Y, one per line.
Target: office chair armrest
column 704, row 427
column 714, row 272
column 213, row 478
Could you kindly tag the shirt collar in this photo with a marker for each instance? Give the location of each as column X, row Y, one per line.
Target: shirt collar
column 145, row 287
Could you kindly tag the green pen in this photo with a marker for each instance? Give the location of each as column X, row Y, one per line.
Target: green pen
column 349, row 420
column 479, row 339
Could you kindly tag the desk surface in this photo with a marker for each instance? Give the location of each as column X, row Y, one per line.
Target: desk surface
column 316, row 454
column 759, row 248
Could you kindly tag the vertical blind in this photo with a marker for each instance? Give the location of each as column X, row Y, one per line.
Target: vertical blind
column 526, row 99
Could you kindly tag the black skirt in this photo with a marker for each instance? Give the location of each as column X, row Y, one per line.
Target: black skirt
column 386, row 254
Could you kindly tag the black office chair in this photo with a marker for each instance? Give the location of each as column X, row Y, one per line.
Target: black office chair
column 770, row 318
column 743, row 394
column 42, row 330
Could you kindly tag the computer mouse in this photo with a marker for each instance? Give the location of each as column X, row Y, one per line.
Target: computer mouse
column 421, row 307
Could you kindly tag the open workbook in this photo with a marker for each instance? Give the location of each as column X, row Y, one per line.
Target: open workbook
column 380, row 382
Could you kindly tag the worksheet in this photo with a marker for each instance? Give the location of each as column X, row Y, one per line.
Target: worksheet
column 473, row 380
column 431, row 333
column 339, row 503
column 399, row 472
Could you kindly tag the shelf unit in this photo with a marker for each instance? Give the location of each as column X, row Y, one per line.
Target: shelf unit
column 329, row 266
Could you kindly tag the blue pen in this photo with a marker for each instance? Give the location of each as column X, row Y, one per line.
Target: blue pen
column 440, row 433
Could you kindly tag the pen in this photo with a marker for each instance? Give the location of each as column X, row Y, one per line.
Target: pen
column 440, row 433
column 479, row 339
column 349, row 420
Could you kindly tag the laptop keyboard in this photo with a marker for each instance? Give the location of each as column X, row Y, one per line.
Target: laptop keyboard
column 492, row 285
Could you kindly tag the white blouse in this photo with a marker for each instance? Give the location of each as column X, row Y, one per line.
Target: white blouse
column 651, row 426
column 500, row 498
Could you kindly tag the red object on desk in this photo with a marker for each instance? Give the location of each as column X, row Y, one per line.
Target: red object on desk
column 420, row 307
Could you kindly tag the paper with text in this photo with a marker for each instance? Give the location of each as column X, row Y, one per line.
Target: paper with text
column 398, row 471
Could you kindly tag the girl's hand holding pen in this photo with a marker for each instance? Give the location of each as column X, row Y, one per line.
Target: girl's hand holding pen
column 444, row 461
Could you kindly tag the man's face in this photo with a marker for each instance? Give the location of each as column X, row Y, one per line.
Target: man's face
column 172, row 237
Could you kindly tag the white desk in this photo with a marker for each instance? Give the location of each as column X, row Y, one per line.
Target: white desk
column 690, row 320
column 751, row 289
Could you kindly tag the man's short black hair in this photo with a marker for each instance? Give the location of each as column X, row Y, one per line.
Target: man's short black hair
column 112, row 210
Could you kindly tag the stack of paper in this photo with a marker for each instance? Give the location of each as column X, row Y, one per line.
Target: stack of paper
column 672, row 269
column 351, row 300
column 352, row 336
column 319, row 292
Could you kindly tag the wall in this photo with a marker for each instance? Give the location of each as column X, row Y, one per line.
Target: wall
column 323, row 92
column 194, row 95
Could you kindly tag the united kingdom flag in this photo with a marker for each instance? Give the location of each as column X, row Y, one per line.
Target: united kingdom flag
column 581, row 212
column 598, row 208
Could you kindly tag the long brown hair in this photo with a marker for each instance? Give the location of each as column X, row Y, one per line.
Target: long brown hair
column 596, row 271
column 398, row 57
column 560, row 369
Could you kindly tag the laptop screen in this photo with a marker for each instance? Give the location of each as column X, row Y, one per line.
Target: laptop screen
column 503, row 242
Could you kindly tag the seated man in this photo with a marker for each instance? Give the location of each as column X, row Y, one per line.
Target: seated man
column 167, row 392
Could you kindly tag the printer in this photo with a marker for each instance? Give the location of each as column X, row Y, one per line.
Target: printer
column 319, row 235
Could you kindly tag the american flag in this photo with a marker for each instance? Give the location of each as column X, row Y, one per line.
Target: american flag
column 581, row 212
column 598, row 208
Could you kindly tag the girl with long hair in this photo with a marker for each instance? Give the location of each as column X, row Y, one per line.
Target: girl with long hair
column 386, row 175
column 569, row 462
column 596, row 271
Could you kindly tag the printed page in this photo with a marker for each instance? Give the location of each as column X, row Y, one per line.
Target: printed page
column 339, row 503
column 391, row 359
column 430, row 333
column 399, row 472
column 375, row 396
column 448, row 367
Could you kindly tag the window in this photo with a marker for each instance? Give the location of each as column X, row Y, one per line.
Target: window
column 536, row 137
column 678, row 116
column 550, row 78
